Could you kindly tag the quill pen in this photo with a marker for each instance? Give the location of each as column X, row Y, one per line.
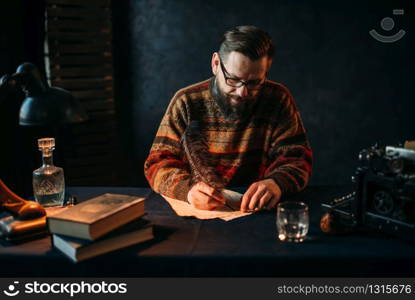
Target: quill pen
column 201, row 163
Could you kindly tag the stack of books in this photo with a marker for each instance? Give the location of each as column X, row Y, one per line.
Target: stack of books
column 99, row 225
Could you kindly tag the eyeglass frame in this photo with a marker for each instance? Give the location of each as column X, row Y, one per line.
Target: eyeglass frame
column 241, row 82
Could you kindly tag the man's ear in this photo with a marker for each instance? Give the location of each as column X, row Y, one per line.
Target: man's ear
column 215, row 63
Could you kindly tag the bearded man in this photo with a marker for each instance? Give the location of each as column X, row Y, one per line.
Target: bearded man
column 251, row 126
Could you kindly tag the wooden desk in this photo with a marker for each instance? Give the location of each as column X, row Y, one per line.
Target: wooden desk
column 243, row 247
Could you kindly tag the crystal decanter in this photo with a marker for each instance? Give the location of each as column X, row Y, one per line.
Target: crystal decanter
column 48, row 180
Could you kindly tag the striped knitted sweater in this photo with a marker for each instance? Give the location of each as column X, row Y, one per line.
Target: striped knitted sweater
column 270, row 142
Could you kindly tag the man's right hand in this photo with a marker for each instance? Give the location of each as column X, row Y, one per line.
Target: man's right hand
column 203, row 196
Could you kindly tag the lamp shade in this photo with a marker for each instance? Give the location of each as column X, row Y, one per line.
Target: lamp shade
column 52, row 106
column 44, row 105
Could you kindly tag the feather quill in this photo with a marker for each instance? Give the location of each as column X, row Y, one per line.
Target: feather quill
column 201, row 164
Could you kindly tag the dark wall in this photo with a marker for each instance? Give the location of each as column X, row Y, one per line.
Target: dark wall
column 352, row 90
column 21, row 40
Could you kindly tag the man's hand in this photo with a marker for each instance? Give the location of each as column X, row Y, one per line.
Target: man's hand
column 263, row 194
column 203, row 196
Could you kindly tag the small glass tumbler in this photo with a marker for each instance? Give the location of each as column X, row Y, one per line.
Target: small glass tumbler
column 292, row 221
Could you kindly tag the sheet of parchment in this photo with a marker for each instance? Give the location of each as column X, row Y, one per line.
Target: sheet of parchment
column 229, row 212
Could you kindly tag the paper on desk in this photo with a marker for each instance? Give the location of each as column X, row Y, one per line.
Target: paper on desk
column 225, row 213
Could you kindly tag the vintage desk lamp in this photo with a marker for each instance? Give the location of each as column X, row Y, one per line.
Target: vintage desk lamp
column 43, row 105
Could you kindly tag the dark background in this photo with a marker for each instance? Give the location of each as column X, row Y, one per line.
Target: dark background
column 352, row 91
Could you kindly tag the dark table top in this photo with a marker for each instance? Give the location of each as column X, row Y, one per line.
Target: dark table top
column 247, row 246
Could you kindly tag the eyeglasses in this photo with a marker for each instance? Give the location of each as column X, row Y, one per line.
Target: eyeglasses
column 235, row 82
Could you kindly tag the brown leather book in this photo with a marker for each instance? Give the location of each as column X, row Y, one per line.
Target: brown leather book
column 95, row 217
column 135, row 232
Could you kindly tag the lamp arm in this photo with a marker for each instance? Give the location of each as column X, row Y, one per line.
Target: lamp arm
column 5, row 81
column 11, row 80
column 27, row 77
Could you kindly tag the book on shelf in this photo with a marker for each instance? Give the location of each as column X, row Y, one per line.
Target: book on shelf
column 76, row 249
column 97, row 216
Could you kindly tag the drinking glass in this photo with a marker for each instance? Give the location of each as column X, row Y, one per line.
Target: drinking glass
column 292, row 221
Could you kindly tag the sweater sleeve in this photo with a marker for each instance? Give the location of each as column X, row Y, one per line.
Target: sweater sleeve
column 290, row 153
column 165, row 169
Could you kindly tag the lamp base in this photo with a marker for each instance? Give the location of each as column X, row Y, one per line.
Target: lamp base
column 15, row 230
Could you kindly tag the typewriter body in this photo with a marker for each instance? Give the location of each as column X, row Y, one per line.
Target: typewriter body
column 384, row 195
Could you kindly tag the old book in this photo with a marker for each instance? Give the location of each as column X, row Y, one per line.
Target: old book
column 77, row 250
column 95, row 217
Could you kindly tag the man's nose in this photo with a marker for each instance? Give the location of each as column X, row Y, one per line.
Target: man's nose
column 242, row 91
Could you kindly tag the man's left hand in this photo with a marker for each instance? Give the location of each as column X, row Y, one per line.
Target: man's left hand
column 263, row 194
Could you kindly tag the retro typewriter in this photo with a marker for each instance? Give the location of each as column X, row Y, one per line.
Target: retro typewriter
column 384, row 194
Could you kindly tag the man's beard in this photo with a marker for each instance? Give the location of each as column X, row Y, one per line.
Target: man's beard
column 232, row 111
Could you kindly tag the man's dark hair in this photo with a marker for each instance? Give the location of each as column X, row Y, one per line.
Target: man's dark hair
column 248, row 40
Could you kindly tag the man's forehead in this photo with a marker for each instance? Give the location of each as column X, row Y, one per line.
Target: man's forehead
column 241, row 66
